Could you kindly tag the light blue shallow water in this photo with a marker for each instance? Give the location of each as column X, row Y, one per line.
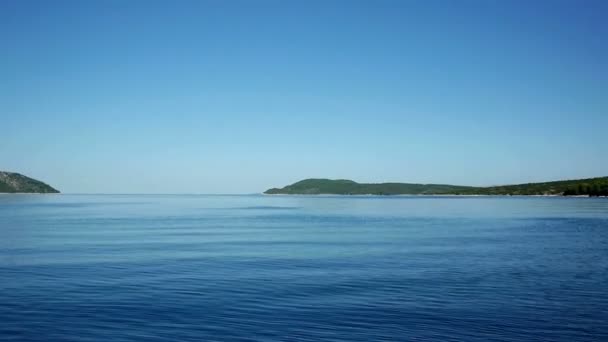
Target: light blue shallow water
column 219, row 268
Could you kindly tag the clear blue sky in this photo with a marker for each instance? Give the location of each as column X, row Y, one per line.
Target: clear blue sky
column 239, row 96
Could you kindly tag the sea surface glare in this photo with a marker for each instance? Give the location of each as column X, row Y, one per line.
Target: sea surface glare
column 302, row 268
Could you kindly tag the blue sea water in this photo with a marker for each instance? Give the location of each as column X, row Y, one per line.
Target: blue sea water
column 302, row 268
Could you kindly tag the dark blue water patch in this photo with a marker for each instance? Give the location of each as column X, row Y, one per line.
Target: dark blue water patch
column 352, row 304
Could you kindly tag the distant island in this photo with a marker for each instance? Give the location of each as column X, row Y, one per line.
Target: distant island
column 11, row 182
column 580, row 187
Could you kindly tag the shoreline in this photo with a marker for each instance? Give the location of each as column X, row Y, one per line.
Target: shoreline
column 30, row 193
column 430, row 195
column 317, row 195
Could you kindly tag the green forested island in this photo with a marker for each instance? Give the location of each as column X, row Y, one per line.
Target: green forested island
column 11, row 182
column 580, row 187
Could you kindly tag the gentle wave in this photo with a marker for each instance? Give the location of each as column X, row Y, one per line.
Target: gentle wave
column 302, row 269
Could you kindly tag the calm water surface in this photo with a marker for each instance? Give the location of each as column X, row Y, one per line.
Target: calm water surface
column 266, row 268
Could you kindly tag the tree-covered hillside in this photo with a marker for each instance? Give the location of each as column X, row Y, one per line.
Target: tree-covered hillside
column 591, row 187
column 348, row 187
column 12, row 182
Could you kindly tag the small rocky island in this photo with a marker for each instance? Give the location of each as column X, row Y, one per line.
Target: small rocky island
column 580, row 187
column 12, row 182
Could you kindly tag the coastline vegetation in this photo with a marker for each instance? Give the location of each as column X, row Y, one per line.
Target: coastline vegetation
column 12, row 182
column 580, row 187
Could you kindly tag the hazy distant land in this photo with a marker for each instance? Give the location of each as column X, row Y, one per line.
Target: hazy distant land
column 580, row 187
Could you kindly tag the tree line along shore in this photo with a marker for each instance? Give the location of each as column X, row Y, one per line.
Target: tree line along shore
column 316, row 186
